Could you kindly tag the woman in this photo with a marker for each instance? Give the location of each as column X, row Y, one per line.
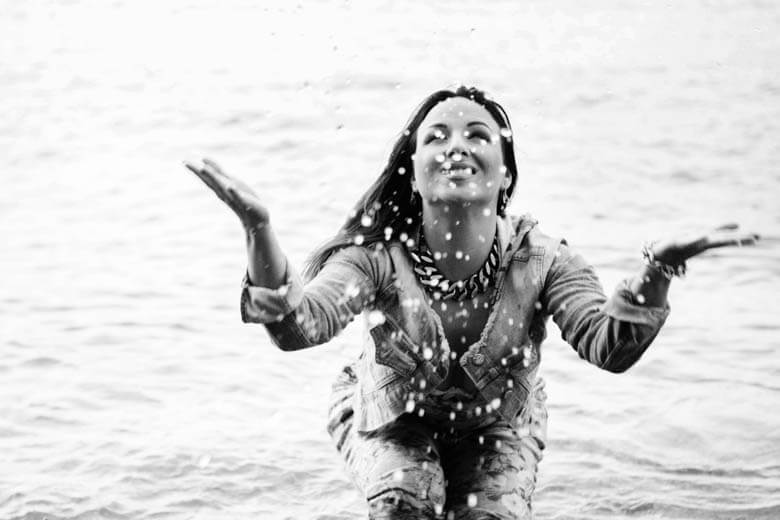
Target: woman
column 443, row 415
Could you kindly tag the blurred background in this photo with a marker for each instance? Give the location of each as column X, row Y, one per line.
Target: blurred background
column 130, row 387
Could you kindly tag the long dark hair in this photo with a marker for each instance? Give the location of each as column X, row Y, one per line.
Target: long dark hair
column 389, row 210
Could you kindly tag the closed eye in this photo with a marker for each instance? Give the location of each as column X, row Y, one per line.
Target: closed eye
column 477, row 134
column 436, row 135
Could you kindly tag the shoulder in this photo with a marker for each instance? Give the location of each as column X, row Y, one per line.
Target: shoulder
column 527, row 228
column 372, row 260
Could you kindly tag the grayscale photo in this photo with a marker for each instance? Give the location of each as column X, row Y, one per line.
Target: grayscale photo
column 341, row 260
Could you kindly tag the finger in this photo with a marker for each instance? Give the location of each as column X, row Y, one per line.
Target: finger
column 731, row 226
column 742, row 240
column 215, row 168
column 208, row 179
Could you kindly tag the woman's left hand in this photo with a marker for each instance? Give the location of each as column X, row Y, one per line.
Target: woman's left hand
column 676, row 252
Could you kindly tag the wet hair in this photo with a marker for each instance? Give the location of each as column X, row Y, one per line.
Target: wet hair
column 389, row 209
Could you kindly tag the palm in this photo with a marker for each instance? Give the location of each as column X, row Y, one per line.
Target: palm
column 675, row 252
column 235, row 193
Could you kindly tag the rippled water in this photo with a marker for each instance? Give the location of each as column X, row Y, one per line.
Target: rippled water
column 130, row 389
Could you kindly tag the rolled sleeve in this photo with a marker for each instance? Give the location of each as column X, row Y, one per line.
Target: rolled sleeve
column 624, row 307
column 266, row 305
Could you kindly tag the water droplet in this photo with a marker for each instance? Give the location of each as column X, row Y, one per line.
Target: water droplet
column 438, row 508
column 388, row 232
column 437, row 255
column 427, row 353
column 410, row 406
column 204, row 461
column 458, row 254
column 376, row 318
column 538, row 305
column 472, row 500
column 283, row 290
column 640, row 298
column 398, row 475
column 366, row 221
column 420, row 412
column 439, row 158
column 502, row 168
column 359, row 239
column 448, row 236
column 481, row 439
column 401, row 170
column 506, row 132
column 496, row 403
column 452, row 416
column 486, row 212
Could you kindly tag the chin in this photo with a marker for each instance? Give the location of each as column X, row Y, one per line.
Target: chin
column 465, row 197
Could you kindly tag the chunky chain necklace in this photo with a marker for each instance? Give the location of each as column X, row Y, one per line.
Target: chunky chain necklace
column 435, row 282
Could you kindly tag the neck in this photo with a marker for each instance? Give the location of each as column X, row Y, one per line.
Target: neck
column 457, row 231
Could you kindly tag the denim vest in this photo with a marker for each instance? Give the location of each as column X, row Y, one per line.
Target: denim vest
column 405, row 352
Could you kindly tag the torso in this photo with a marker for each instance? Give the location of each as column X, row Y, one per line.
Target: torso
column 463, row 324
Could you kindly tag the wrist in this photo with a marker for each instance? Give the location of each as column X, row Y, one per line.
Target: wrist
column 665, row 268
column 256, row 228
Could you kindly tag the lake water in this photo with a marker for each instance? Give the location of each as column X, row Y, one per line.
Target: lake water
column 130, row 388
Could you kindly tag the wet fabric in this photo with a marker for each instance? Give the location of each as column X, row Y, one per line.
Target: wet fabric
column 423, row 467
column 406, row 355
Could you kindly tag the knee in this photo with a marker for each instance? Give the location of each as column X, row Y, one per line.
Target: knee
column 408, row 494
column 490, row 506
column 401, row 504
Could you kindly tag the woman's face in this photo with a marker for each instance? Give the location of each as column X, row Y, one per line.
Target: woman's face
column 458, row 157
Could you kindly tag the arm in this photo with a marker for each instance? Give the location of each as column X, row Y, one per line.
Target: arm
column 614, row 333
column 266, row 261
column 610, row 333
column 298, row 316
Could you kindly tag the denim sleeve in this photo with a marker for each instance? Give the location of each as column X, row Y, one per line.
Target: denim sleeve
column 610, row 333
column 298, row 316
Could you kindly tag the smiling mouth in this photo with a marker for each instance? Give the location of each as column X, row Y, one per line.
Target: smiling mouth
column 459, row 172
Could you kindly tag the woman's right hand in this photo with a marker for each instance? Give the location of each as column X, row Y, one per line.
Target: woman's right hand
column 233, row 192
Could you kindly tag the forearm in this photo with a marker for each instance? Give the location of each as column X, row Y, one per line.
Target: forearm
column 266, row 263
column 650, row 287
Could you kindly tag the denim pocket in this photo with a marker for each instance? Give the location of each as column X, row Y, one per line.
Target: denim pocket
column 394, row 349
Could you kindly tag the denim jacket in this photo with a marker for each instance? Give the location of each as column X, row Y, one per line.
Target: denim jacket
column 405, row 352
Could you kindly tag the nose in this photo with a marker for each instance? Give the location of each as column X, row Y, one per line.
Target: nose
column 457, row 148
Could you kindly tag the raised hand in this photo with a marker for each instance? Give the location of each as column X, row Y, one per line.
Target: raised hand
column 233, row 192
column 676, row 252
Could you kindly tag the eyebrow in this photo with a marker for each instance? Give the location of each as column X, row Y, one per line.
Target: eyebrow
column 472, row 123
